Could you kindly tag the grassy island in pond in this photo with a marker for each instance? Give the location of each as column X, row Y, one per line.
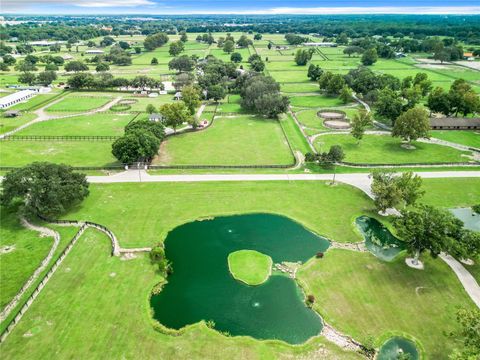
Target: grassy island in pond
column 250, row 266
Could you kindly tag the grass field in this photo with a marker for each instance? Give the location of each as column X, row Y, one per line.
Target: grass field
column 8, row 124
column 460, row 192
column 95, row 125
column 75, row 153
column 380, row 298
column 315, row 101
column 382, row 149
column 79, row 103
column 29, row 249
column 242, row 140
column 250, row 266
column 467, row 138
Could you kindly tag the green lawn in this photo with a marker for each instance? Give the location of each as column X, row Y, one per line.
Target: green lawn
column 250, row 266
column 363, row 296
column 79, row 103
column 8, row 123
column 243, row 140
column 97, row 125
column 464, row 137
column 459, row 192
column 316, row 101
column 75, row 153
column 29, row 249
column 381, row 149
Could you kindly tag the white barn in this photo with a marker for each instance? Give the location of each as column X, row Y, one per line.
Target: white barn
column 16, row 97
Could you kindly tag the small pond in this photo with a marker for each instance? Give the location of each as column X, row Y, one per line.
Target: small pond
column 202, row 288
column 378, row 239
column 396, row 346
column 470, row 220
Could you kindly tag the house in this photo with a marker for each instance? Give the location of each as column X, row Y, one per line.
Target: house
column 46, row 43
column 67, row 57
column 320, row 44
column 12, row 113
column 281, row 47
column 449, row 123
column 155, row 117
column 15, row 98
column 94, row 52
column 177, row 96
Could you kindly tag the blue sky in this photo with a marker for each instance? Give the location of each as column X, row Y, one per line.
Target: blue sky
column 241, row 7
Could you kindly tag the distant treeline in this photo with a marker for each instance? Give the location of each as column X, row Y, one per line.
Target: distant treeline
column 462, row 27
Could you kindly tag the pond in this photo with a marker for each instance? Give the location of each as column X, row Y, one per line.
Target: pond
column 201, row 287
column 395, row 346
column 470, row 220
column 378, row 239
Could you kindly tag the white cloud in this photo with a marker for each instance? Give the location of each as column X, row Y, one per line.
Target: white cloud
column 21, row 5
column 114, row 3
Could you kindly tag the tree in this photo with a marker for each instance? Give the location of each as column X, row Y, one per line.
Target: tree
column 314, row 72
column 257, row 37
column 27, row 78
column 9, row 59
column 426, row 228
column 462, row 98
column 44, row 189
column 385, row 190
column 216, row 92
column 360, row 121
column 476, row 209
column 257, row 65
column 369, row 57
column 183, row 37
column 137, row 49
column 332, row 84
column 75, row 66
column 157, row 257
column 124, row 45
column 345, row 94
column 150, row 109
column 412, row 124
column 228, row 46
column 243, row 41
column 81, row 80
column 183, row 79
column 135, row 146
column 342, row 39
column 45, row 78
column 271, row 105
column 302, row 57
column 175, row 114
column 410, row 186
column 438, row 101
column 176, row 48
column 191, row 98
column 181, row 63
column 154, row 61
column 154, row 41
column 468, row 246
column 350, row 50
column 469, row 333
column 236, row 57
column 102, row 67
column 389, row 105
column 107, row 41
column 25, row 66
column 155, row 128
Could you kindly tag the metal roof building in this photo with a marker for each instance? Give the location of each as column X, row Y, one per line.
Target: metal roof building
column 15, row 98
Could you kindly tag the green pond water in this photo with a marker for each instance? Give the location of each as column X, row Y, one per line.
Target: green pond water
column 395, row 346
column 470, row 220
column 378, row 239
column 202, row 288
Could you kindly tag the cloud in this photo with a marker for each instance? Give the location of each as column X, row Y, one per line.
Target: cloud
column 17, row 6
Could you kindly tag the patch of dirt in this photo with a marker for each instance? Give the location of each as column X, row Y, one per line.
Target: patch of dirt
column 433, row 66
column 128, row 256
column 7, row 249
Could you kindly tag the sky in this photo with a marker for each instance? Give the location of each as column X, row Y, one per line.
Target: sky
column 159, row 7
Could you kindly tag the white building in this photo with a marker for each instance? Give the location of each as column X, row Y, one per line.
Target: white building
column 46, row 43
column 320, row 44
column 15, row 98
column 94, row 52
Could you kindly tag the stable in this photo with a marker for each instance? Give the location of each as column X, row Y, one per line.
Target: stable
column 452, row 123
column 15, row 98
